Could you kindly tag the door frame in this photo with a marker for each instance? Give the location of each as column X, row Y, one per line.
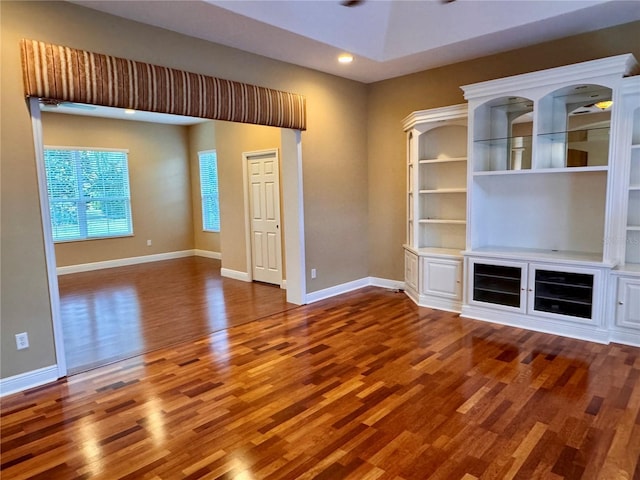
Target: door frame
column 292, row 210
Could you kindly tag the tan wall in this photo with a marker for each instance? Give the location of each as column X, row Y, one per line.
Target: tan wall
column 233, row 139
column 202, row 137
column 333, row 149
column 159, row 179
column 392, row 100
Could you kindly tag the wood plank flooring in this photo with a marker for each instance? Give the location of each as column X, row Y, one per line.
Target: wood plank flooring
column 117, row 313
column 361, row 386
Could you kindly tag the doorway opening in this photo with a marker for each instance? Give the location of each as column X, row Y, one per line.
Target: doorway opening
column 292, row 211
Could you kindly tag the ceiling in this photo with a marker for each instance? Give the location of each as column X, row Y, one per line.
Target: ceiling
column 83, row 109
column 388, row 38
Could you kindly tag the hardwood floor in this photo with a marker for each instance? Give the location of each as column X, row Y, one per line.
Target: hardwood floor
column 361, row 386
column 116, row 313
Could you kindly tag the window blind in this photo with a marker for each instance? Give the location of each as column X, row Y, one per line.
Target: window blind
column 209, row 191
column 89, row 194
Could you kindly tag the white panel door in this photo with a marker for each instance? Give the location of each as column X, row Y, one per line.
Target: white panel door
column 264, row 211
column 628, row 314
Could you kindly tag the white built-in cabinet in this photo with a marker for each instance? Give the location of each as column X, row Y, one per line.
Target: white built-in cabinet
column 624, row 289
column 551, row 196
column 436, row 205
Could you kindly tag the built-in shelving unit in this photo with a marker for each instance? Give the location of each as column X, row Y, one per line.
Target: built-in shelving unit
column 543, row 193
column 632, row 248
column 436, row 205
column 540, row 226
column 624, row 289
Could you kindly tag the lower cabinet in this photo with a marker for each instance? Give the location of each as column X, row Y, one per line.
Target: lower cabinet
column 434, row 280
column 567, row 299
column 557, row 298
column 626, row 328
column 411, row 270
column 441, row 277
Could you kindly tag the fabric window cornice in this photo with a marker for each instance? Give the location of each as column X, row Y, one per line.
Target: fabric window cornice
column 72, row 75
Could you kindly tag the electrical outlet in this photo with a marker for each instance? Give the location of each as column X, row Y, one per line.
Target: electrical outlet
column 313, row 273
column 22, row 341
column 148, row 243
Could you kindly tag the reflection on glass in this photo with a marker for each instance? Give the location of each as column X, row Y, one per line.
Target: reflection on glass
column 521, row 138
column 504, row 138
column 577, row 133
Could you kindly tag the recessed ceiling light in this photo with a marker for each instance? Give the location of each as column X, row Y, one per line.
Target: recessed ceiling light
column 129, row 111
column 345, row 58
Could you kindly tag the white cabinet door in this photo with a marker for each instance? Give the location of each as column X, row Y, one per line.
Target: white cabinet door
column 411, row 270
column 628, row 308
column 497, row 284
column 441, row 277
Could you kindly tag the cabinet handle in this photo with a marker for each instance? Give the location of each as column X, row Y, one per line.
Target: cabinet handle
column 620, row 303
column 531, row 289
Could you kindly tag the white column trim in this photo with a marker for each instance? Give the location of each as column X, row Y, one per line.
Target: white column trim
column 49, row 250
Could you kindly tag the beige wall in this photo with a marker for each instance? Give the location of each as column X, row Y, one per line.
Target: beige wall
column 159, row 179
column 392, row 100
column 233, row 139
column 202, row 137
column 333, row 150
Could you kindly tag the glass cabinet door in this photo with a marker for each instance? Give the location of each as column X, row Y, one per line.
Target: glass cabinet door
column 499, row 283
column 564, row 293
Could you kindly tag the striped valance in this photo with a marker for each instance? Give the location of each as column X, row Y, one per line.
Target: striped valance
column 68, row 74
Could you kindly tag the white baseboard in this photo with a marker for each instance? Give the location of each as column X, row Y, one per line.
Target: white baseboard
column 591, row 333
column 121, row 262
column 27, row 380
column 236, row 275
column 625, row 337
column 283, row 284
column 207, row 254
column 386, row 283
column 354, row 285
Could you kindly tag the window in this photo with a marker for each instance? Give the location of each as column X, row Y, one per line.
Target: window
column 88, row 193
column 209, row 191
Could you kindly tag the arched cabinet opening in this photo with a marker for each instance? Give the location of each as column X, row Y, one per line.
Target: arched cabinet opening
column 503, row 129
column 573, row 127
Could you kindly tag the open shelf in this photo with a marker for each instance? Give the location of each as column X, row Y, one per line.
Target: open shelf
column 445, row 190
column 443, row 221
column 437, row 176
column 442, row 160
column 563, row 256
column 534, row 171
column 440, row 252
